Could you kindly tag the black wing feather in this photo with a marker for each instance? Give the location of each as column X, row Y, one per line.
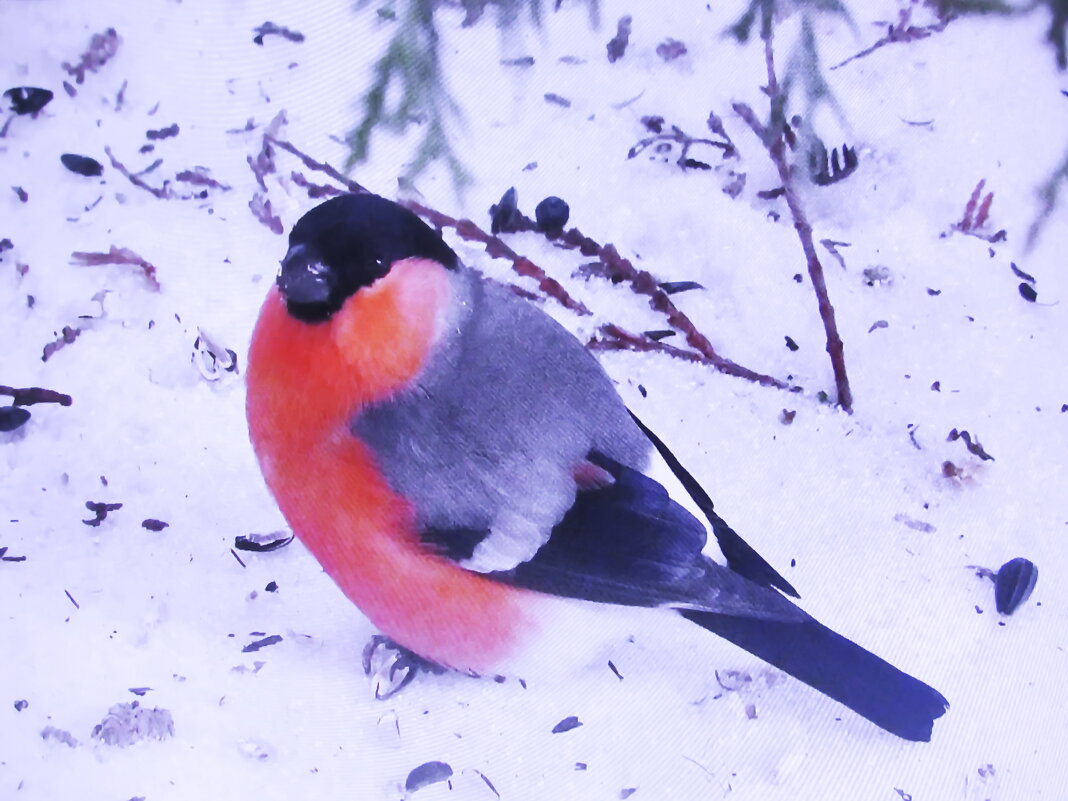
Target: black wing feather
column 740, row 555
column 629, row 543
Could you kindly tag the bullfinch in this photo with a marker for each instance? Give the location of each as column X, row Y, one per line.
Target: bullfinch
column 465, row 471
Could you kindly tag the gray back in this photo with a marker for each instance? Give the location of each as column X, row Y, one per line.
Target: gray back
column 489, row 435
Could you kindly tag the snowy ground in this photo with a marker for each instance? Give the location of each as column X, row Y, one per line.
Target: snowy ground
column 856, row 512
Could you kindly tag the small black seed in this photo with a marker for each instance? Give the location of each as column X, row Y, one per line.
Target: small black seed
column 1020, row 273
column 258, row 644
column 427, row 773
column 674, row 287
column 13, row 417
column 567, row 724
column 504, row 215
column 1014, row 583
column 28, row 99
column 243, row 543
column 83, row 165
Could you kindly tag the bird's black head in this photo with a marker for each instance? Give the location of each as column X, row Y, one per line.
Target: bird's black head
column 346, row 243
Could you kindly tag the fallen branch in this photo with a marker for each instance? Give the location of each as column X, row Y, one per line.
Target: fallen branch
column 102, row 47
column 617, row 267
column 497, row 249
column 161, row 192
column 774, row 138
column 976, row 215
column 612, row 337
column 198, row 176
column 261, row 209
column 832, row 248
column 269, row 28
column 901, row 31
column 613, row 267
column 28, row 396
column 118, row 256
column 318, row 166
column 263, row 163
column 315, row 191
column 66, row 337
column 971, row 443
column 661, row 141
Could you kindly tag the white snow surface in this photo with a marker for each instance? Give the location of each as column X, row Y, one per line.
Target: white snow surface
column 833, row 500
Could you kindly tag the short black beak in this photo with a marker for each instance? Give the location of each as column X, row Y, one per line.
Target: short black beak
column 304, row 279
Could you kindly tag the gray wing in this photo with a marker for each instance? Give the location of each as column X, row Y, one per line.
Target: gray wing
column 490, row 435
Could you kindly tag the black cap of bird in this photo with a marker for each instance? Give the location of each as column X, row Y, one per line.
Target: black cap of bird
column 466, row 472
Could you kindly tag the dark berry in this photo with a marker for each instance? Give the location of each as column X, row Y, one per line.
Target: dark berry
column 552, row 214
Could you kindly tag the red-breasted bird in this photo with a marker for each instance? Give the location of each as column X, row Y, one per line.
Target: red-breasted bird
column 465, row 471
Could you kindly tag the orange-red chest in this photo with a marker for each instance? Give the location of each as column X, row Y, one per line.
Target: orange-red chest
column 305, row 384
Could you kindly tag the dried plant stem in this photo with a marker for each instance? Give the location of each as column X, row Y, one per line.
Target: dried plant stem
column 497, row 249
column 774, row 137
column 162, row 192
column 318, row 166
column 28, row 396
column 643, row 283
column 902, row 31
column 612, row 337
column 616, row 268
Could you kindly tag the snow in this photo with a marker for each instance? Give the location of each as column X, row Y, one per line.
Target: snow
column 95, row 611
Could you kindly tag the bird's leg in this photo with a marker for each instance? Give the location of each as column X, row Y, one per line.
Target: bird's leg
column 391, row 667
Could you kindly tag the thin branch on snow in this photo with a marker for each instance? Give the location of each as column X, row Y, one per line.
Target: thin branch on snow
column 119, row 256
column 976, row 215
column 315, row 191
column 664, row 139
column 162, row 192
column 612, row 337
column 65, row 337
column 901, row 31
column 616, row 266
column 28, row 396
column 318, row 166
column 102, row 48
column 496, row 249
column 197, row 176
column 774, row 136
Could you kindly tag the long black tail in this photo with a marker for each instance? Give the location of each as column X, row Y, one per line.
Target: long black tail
column 837, row 667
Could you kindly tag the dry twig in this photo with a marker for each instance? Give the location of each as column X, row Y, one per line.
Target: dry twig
column 28, row 396
column 613, row 267
column 976, row 215
column 616, row 266
column 774, row 138
column 612, row 337
column 102, row 47
column 468, row 230
column 66, row 337
column 664, row 140
column 118, row 256
column 901, row 31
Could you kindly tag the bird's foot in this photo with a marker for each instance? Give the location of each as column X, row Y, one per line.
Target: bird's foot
column 391, row 667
